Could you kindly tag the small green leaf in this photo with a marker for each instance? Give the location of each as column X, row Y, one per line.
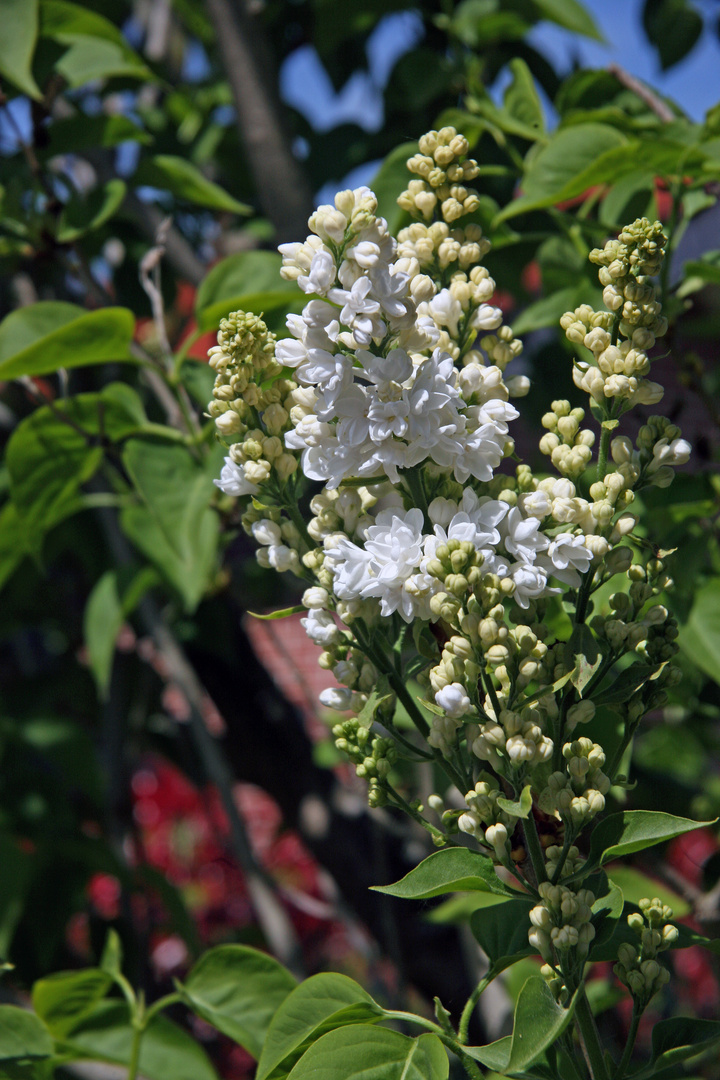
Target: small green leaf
column 247, row 281
column 700, row 636
column 16, row 879
column 549, row 310
column 23, row 1035
column 678, row 1039
column 61, row 1000
column 373, row 1053
column 12, row 545
column 75, row 133
column 82, row 215
column 571, row 14
column 238, row 990
column 673, row 27
column 17, row 44
column 112, row 954
column 185, row 181
column 380, row 695
column 634, row 830
column 622, row 687
column 539, row 1022
column 390, row 181
column 280, row 614
column 319, row 1004
column 173, row 525
column 583, row 652
column 41, row 338
column 522, row 807
column 95, row 48
column 114, row 597
column 166, row 1050
column 575, row 159
column 521, row 99
column 450, row 870
column 502, row 933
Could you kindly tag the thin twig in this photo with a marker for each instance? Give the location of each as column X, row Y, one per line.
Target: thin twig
column 653, row 102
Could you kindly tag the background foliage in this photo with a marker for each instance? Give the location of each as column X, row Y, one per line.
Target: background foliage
column 143, row 195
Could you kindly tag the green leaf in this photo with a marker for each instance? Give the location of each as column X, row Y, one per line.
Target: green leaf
column 450, row 870
column 575, row 159
column 113, row 598
column 112, row 954
column 673, row 27
column 17, row 44
column 15, row 881
column 185, row 181
column 12, row 546
column 319, row 1004
column 43, row 337
column 678, row 1039
column 623, row 686
column 389, row 182
column 700, row 636
column 74, row 133
column 539, row 1022
column 61, row 1000
column 634, row 190
column 502, row 933
column 635, row 885
column 83, row 214
column 95, row 48
column 52, row 453
column 583, row 653
column 520, row 808
column 173, row 526
column 634, row 830
column 521, row 99
column 380, row 695
column 548, row 310
column 22, row 1035
column 362, row 1052
column 247, row 281
column 106, row 1034
column 571, row 14
column 280, row 614
column 238, row 990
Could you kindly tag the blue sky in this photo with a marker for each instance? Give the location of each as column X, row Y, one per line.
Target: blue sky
column 694, row 83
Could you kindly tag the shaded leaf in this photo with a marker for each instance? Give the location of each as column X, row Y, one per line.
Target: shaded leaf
column 622, row 687
column 283, row 613
column 548, row 310
column 62, row 999
column 95, row 48
column 391, row 180
column 374, row 1054
column 238, row 990
column 319, row 1004
column 185, row 181
column 502, row 933
column 83, row 214
column 539, row 1022
column 634, row 830
column 40, row 338
column 16, row 878
column 248, row 280
column 108, row 605
column 582, row 652
column 673, row 27
column 571, row 14
column 700, row 636
column 173, row 526
column 517, row 808
column 22, row 1035
column 450, row 870
column 17, row 44
column 380, row 694
column 106, row 1034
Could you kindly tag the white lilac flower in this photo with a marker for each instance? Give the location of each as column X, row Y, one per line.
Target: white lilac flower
column 321, row 628
column 530, row 583
column 266, row 532
column 569, row 558
column 454, row 700
column 233, row 480
column 337, row 697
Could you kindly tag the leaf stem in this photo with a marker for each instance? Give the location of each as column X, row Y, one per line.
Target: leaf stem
column 470, row 1008
column 590, row 1038
column 632, row 1036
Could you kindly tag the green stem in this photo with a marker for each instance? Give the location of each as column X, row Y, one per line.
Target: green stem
column 632, row 1036
column 470, row 1008
column 135, row 1052
column 534, row 848
column 589, row 1034
column 567, row 844
column 413, row 1018
column 630, row 730
column 409, row 809
column 159, row 1005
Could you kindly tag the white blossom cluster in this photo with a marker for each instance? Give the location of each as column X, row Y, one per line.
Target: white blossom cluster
column 378, row 396
column 392, row 563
